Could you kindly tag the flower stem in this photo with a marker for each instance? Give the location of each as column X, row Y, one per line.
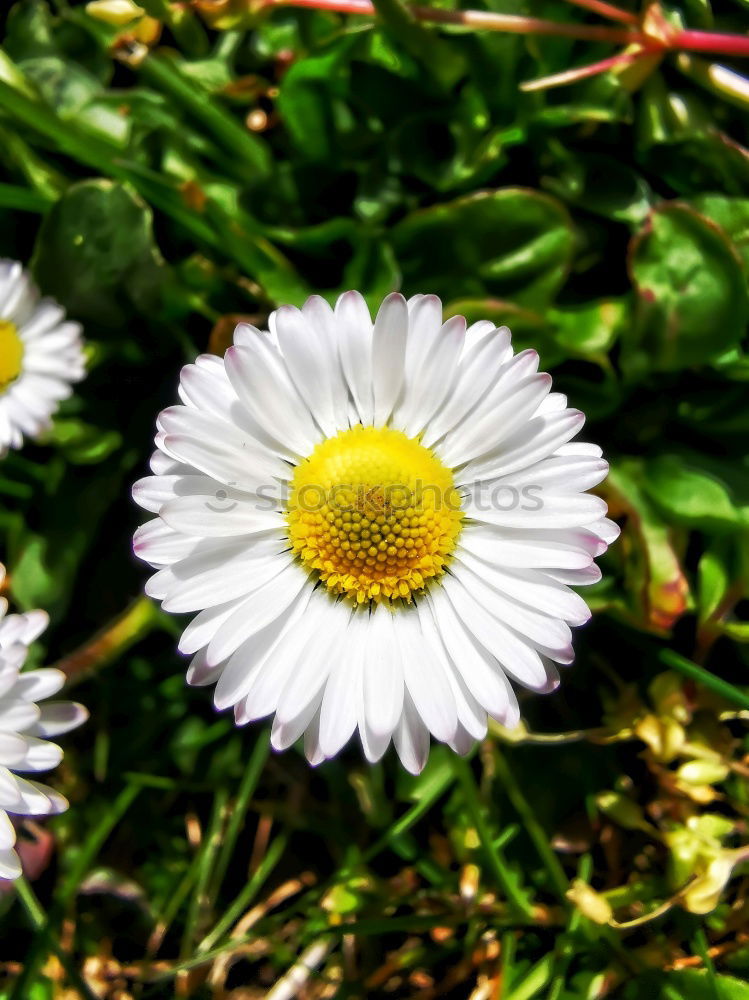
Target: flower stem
column 582, row 72
column 695, row 41
column 607, row 10
column 486, row 20
column 711, row 41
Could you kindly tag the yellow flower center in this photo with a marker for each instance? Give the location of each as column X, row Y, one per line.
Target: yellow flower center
column 375, row 513
column 11, row 353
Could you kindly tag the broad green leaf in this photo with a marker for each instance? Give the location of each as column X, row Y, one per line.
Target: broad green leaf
column 590, row 330
column 682, row 145
column 73, row 92
column 30, row 31
column 732, row 215
column 80, row 443
column 96, row 254
column 689, row 495
column 603, row 185
column 512, row 243
column 713, row 577
column 692, row 302
column 655, row 577
column 310, row 102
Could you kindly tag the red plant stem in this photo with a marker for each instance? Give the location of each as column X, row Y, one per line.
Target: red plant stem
column 608, row 10
column 478, row 19
column 582, row 72
column 711, row 41
column 694, row 41
column 526, row 25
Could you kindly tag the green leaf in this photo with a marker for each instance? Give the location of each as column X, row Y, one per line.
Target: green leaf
column 73, row 92
column 732, row 215
column 603, row 185
column 80, row 443
column 512, row 243
column 45, row 564
column 654, row 575
column 29, row 30
column 96, row 254
column 713, row 578
column 689, row 495
column 694, row 984
column 692, row 302
column 590, row 330
column 309, row 99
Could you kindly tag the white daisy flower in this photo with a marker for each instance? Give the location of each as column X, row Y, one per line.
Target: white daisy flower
column 41, row 355
column 24, row 726
column 378, row 523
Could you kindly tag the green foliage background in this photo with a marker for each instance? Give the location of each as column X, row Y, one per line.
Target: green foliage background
column 609, row 228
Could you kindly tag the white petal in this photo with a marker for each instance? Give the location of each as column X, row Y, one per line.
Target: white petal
column 220, row 450
column 312, row 749
column 338, row 713
column 477, row 372
column 389, row 339
column 160, row 545
column 256, row 655
column 382, row 678
column 511, row 548
column 425, row 679
column 576, row 577
column 471, row 716
column 259, row 611
column 437, row 376
column 529, row 587
column 424, row 325
column 309, row 366
column 507, row 509
column 36, row 685
column 355, row 349
column 10, row 864
column 217, row 574
column 17, row 715
column 58, row 717
column 516, row 654
column 220, row 517
column 7, row 832
column 41, row 755
column 539, row 438
column 558, row 474
column 205, row 625
column 284, row 734
column 490, row 432
column 261, row 379
column 323, row 322
column 308, row 679
column 481, row 672
column 152, row 492
column 411, row 738
column 12, row 749
column 37, row 799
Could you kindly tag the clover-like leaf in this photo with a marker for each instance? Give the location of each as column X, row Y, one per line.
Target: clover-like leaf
column 691, row 289
column 513, row 243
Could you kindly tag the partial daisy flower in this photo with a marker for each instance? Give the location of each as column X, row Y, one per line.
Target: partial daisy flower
column 41, row 356
column 379, row 525
column 24, row 728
